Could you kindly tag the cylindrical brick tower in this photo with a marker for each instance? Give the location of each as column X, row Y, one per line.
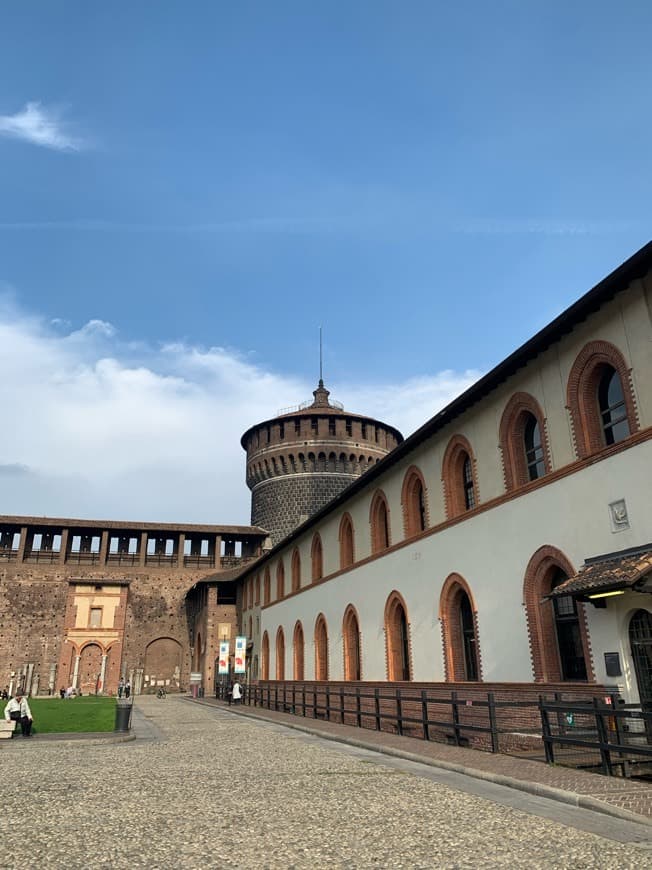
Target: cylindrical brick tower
column 304, row 457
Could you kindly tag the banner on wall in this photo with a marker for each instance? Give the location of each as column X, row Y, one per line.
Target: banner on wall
column 223, row 661
column 240, row 655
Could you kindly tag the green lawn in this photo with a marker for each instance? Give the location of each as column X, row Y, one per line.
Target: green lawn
column 75, row 714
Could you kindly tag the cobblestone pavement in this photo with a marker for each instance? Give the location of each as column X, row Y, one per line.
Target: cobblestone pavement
column 222, row 790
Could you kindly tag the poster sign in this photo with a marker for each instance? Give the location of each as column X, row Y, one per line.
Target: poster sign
column 240, row 655
column 223, row 661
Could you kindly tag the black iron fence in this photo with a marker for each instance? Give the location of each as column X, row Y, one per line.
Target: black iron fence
column 593, row 733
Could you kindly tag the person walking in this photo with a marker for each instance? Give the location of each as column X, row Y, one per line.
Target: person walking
column 127, row 689
column 121, row 688
column 17, row 710
column 236, row 692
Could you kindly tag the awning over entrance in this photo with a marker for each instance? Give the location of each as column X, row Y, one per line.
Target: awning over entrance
column 615, row 573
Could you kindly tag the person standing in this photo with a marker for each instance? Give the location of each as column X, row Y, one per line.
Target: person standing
column 121, row 688
column 17, row 710
column 127, row 689
column 236, row 692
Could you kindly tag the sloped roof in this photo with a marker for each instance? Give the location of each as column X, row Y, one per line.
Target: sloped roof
column 615, row 571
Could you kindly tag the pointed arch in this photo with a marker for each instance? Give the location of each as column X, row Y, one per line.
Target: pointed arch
column 257, row 588
column 557, row 631
column 347, row 542
column 298, row 649
column 280, row 580
column 414, row 500
column 264, row 656
column 296, row 570
column 595, row 426
column 267, row 587
column 321, row 648
column 352, row 644
column 459, row 477
column 397, row 639
column 458, row 615
column 379, row 522
column 317, row 558
column 280, row 654
column 523, row 441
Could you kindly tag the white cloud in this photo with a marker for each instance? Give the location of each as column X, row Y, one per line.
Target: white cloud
column 40, row 126
column 101, row 429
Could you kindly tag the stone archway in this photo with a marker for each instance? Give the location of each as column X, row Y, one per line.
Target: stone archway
column 90, row 668
column 163, row 662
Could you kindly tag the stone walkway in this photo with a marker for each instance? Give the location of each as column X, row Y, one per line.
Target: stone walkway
column 204, row 787
column 591, row 790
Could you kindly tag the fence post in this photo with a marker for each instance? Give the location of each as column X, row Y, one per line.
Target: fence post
column 424, row 715
column 376, row 707
column 294, row 691
column 303, row 699
column 605, row 754
column 456, row 718
column 342, row 705
column 399, row 713
column 546, row 732
column 358, row 707
column 491, row 700
column 314, row 701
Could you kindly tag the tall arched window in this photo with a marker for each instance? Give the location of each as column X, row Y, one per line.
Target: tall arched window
column 321, row 648
column 640, row 638
column 600, row 398
column 459, row 631
column 264, row 656
column 257, row 587
column 280, row 580
column 414, row 501
column 523, row 441
column 280, row 654
column 296, row 571
column 316, row 559
column 347, row 553
column 298, row 651
column 459, row 478
column 250, row 629
column 397, row 639
column 267, row 588
column 557, row 629
column 379, row 520
column 352, row 645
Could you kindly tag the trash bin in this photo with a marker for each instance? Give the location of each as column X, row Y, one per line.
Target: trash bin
column 122, row 716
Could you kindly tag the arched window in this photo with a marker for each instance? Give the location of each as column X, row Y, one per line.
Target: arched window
column 459, row 631
column 280, row 654
column 379, row 521
column 557, row 629
column 347, row 552
column 321, row 648
column 523, row 441
column 298, row 652
column 250, row 628
column 264, row 656
column 640, row 638
column 316, row 559
column 267, row 588
column 414, row 501
column 397, row 639
column 600, row 398
column 352, row 645
column 459, row 478
column 296, row 571
column 257, row 595
column 280, row 580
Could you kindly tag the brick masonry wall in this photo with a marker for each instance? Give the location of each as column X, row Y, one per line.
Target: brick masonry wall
column 279, row 505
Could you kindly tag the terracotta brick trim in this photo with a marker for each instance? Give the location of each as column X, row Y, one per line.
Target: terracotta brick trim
column 413, row 481
column 264, row 656
column 296, row 570
column 379, row 524
column 540, row 619
column 450, row 599
column 352, row 644
column 347, row 541
column 512, row 438
column 298, row 651
column 321, row 648
column 394, row 607
column 316, row 558
column 581, row 394
column 280, row 654
column 457, row 450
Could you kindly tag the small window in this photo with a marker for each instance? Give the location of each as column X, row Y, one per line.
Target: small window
column 314, row 425
column 281, row 431
column 95, row 617
column 467, row 477
column 349, row 427
column 297, row 427
column 613, row 411
column 331, row 426
column 536, row 466
column 364, row 431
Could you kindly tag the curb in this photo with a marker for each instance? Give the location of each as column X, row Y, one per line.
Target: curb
column 81, row 737
column 585, row 802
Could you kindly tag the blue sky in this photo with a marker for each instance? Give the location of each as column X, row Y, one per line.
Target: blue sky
column 211, row 182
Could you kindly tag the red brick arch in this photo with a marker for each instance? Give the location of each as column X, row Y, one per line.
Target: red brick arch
column 298, row 652
column 539, row 615
column 347, row 542
column 450, row 599
column 296, row 570
column 264, row 656
column 581, row 394
column 317, row 558
column 414, row 487
column 379, row 522
column 398, row 648
column 352, row 644
column 321, row 648
column 452, row 468
column 280, row 580
column 512, row 438
column 280, row 653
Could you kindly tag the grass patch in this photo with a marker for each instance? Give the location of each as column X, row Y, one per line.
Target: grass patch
column 52, row 715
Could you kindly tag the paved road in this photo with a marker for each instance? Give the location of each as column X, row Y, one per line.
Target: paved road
column 204, row 788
